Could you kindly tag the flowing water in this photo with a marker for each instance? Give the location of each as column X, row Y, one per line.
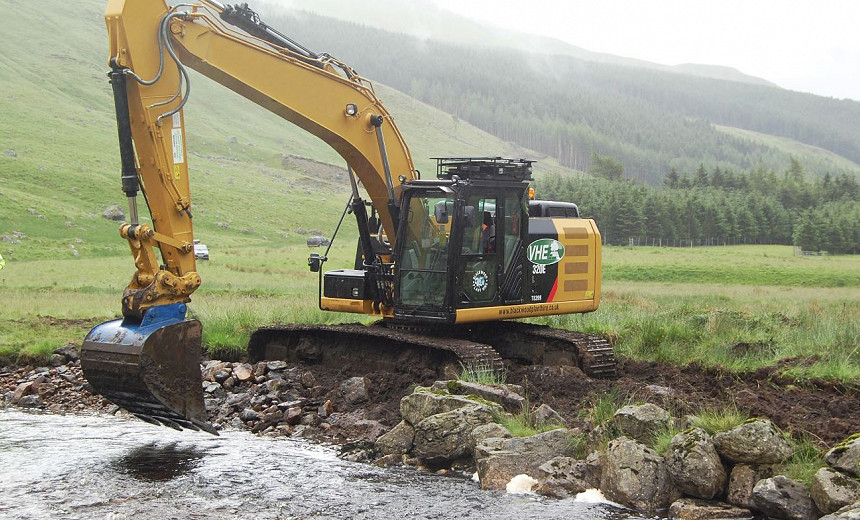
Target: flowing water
column 94, row 467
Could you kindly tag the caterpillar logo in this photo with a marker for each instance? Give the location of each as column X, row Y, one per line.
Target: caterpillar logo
column 545, row 251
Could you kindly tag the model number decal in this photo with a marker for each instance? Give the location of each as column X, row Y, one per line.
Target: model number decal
column 545, row 251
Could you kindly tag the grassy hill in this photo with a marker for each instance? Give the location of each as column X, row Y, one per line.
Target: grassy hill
column 267, row 180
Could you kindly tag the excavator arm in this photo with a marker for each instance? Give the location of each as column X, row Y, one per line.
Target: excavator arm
column 151, row 44
column 148, row 361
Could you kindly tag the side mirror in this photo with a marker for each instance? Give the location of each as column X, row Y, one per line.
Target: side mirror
column 441, row 211
column 315, row 262
column 469, row 216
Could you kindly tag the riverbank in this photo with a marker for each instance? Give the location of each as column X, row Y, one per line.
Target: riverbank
column 344, row 404
column 350, row 408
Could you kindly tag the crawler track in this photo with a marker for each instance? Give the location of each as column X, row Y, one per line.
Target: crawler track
column 381, row 347
column 373, row 347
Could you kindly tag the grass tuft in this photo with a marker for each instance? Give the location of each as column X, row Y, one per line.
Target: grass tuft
column 805, row 461
column 481, row 374
column 523, row 424
column 720, row 420
column 663, row 437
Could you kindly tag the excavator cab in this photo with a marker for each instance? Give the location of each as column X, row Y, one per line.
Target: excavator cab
column 461, row 239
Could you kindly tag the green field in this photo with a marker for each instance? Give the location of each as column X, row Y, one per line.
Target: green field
column 739, row 308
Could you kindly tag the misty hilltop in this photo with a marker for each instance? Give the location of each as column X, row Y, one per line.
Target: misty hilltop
column 572, row 104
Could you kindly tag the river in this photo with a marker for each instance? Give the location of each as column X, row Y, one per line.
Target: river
column 106, row 467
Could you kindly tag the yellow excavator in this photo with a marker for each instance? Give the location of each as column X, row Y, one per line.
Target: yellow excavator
column 445, row 263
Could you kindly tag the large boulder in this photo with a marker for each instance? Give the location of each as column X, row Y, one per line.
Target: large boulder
column 641, row 422
column 845, row 456
column 563, row 477
column 445, row 436
column 742, row 480
column 757, row 441
column 832, row 490
column 851, row 512
column 397, row 441
column 113, row 212
column 500, row 394
column 499, row 460
column 781, row 497
column 695, row 509
column 636, row 476
column 422, row 403
column 694, row 465
column 488, row 431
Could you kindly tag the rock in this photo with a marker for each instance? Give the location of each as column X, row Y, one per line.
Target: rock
column 325, row 409
column 488, row 431
column 223, row 225
column 636, row 476
column 851, row 512
column 309, row 381
column 210, row 387
column 694, row 465
column 781, row 497
column 22, row 390
column 397, row 441
column 356, row 426
column 276, row 365
column 220, row 376
column 276, row 384
column 832, row 490
column 543, row 415
column 10, row 153
column 502, row 394
column 392, row 459
column 846, row 456
column 641, row 422
column 243, row 372
column 757, row 441
column 31, row 401
column 355, row 390
column 422, row 403
column 741, row 482
column 695, row 509
column 266, row 420
column 238, row 401
column 69, row 351
column 445, row 436
column 499, row 460
column 563, row 477
column 293, row 415
column 113, row 212
column 662, row 391
column 260, row 368
column 248, row 414
column 317, row 241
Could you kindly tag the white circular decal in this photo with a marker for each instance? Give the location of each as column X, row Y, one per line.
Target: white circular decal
column 480, row 281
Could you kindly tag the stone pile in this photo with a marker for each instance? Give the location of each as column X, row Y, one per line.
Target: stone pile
column 733, row 474
column 273, row 398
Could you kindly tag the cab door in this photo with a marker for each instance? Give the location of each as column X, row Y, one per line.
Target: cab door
column 491, row 253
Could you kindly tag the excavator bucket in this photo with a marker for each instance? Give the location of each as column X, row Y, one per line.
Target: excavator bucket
column 151, row 368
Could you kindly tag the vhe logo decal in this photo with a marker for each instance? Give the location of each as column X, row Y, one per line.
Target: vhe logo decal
column 545, row 251
column 480, row 281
